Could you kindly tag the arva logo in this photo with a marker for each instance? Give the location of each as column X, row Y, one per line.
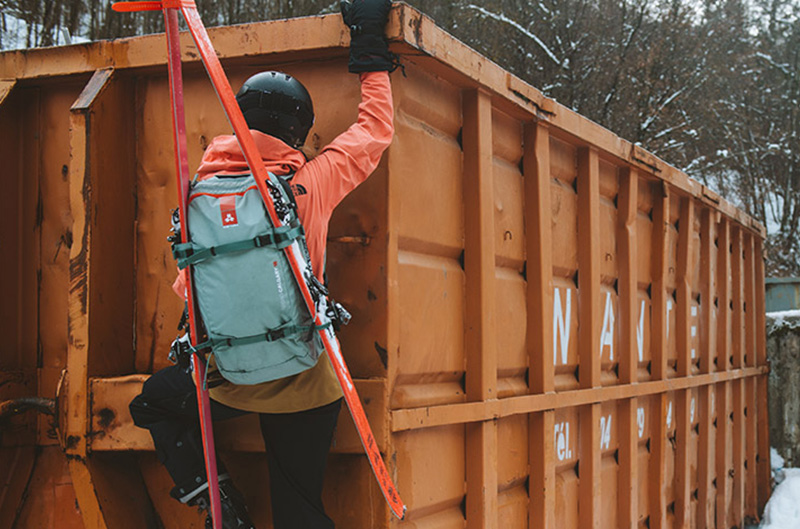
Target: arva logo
column 227, row 209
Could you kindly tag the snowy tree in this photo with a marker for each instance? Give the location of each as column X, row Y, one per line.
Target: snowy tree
column 711, row 87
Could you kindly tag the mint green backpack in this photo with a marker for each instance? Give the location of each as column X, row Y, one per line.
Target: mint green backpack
column 255, row 318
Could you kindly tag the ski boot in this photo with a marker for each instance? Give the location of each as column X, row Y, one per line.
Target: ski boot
column 234, row 510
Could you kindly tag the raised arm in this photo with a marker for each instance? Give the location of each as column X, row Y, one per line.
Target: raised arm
column 350, row 158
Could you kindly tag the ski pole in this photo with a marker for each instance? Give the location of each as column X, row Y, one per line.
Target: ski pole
column 182, row 176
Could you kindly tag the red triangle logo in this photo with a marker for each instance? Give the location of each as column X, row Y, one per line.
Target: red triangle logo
column 227, row 208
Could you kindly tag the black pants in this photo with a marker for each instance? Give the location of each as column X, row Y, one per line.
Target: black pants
column 297, row 446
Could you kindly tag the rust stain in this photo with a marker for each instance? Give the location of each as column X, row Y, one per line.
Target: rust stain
column 416, row 26
column 13, row 377
column 106, row 418
column 64, row 240
column 39, row 211
column 78, row 266
column 153, row 333
column 79, row 278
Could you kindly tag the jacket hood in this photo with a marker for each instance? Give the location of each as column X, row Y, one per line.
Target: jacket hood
column 225, row 155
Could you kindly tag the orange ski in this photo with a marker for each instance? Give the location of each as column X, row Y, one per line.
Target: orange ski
column 318, row 309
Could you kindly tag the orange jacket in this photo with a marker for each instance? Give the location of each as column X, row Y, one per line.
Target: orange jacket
column 323, row 182
column 319, row 184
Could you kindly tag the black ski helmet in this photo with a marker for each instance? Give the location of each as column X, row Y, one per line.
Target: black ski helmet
column 277, row 104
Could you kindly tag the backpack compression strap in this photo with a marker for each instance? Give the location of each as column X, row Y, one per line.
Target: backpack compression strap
column 269, row 336
column 190, row 253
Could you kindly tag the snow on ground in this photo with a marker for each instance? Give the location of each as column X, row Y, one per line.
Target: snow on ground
column 789, row 318
column 783, row 508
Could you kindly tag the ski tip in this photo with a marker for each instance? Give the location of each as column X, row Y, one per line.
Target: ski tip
column 399, row 511
column 130, row 7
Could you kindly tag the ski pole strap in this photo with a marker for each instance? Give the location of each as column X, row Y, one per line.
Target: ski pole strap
column 190, row 253
column 269, row 336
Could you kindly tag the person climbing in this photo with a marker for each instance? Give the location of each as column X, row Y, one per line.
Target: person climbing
column 297, row 413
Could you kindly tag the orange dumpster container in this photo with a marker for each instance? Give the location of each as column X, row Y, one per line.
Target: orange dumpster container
column 552, row 327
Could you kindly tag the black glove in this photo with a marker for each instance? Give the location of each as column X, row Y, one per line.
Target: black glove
column 369, row 49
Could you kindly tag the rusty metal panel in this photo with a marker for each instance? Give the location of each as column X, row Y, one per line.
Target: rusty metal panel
column 51, row 499
column 567, row 455
column 20, row 233
column 553, row 328
column 564, row 237
column 436, row 496
column 425, row 190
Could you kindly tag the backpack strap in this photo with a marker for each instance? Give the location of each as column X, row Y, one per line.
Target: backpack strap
column 190, row 253
column 269, row 336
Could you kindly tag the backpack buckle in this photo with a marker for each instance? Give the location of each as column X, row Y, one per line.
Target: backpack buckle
column 262, row 240
column 275, row 334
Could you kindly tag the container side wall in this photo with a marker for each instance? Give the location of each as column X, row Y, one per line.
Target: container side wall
column 509, row 240
column 57, row 237
column 433, row 476
column 20, row 232
column 426, row 164
column 20, row 280
column 564, row 207
column 112, row 208
column 38, row 228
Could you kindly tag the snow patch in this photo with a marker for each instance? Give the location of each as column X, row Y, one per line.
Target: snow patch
column 776, row 461
column 783, row 508
column 789, row 319
column 502, row 18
